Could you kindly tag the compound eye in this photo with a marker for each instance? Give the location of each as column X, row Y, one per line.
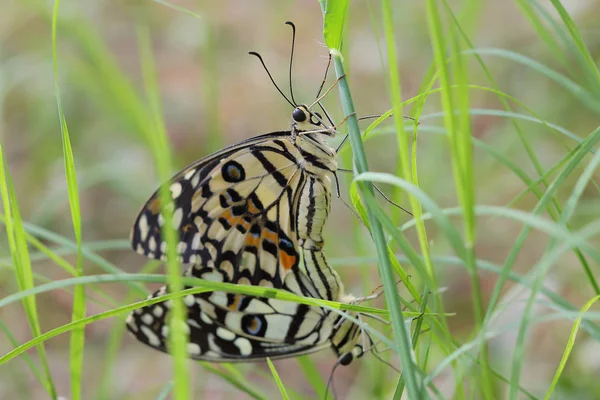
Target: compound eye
column 299, row 115
column 346, row 358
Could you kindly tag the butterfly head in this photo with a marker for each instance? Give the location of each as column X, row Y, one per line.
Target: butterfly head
column 306, row 121
column 346, row 340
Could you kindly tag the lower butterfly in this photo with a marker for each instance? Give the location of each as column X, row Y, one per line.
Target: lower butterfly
column 252, row 214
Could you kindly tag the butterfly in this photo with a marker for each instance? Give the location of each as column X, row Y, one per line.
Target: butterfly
column 252, row 213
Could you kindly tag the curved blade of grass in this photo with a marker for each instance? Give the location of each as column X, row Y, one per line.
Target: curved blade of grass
column 404, row 277
column 404, row 164
column 539, row 274
column 77, row 342
column 459, row 134
column 307, row 365
column 586, row 98
column 160, row 150
column 569, row 347
column 334, row 16
column 25, row 387
column 280, row 385
column 101, row 262
column 201, row 287
column 20, row 255
column 165, row 392
column 235, row 379
column 195, row 283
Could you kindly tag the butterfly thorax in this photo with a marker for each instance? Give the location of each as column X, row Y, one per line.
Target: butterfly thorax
column 308, row 133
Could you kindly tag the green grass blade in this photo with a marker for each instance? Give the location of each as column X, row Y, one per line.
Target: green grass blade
column 77, row 335
column 569, row 347
column 280, row 384
column 402, row 346
column 334, row 16
column 459, row 134
column 308, row 366
column 160, row 149
column 20, row 256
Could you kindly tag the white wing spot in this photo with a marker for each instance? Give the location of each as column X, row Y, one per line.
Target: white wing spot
column 181, row 247
column 225, row 334
column 148, row 319
column 164, row 330
column 143, row 227
column 194, row 323
column 157, row 311
column 189, row 174
column 196, row 241
column 176, row 190
column 244, row 346
column 177, row 217
column 211, row 354
column 152, row 243
column 195, row 180
column 214, row 276
column 193, row 349
column 189, row 300
column 205, row 318
column 153, row 340
column 131, row 323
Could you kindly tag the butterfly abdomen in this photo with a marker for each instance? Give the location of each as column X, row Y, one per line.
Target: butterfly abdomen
column 313, row 209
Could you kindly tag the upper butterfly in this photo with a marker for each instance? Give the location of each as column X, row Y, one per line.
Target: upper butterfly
column 252, row 213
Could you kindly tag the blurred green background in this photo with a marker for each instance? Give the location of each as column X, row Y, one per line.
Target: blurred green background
column 213, row 94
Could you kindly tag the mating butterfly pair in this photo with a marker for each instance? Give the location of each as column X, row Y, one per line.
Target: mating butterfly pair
column 253, row 213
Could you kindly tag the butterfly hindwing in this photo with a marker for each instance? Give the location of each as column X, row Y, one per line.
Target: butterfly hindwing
column 234, row 327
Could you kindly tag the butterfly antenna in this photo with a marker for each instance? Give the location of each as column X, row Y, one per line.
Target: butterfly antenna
column 292, row 57
column 375, row 186
column 327, row 91
column 324, row 78
column 326, row 114
column 337, row 150
column 375, row 351
column 339, row 196
column 377, row 356
column 255, row 54
column 375, row 116
column 330, row 380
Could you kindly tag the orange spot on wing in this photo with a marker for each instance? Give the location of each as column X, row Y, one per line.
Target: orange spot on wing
column 154, row 205
column 254, row 324
column 252, row 241
column 244, row 224
column 287, row 261
column 252, row 209
column 271, row 236
column 228, row 216
column 236, row 302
